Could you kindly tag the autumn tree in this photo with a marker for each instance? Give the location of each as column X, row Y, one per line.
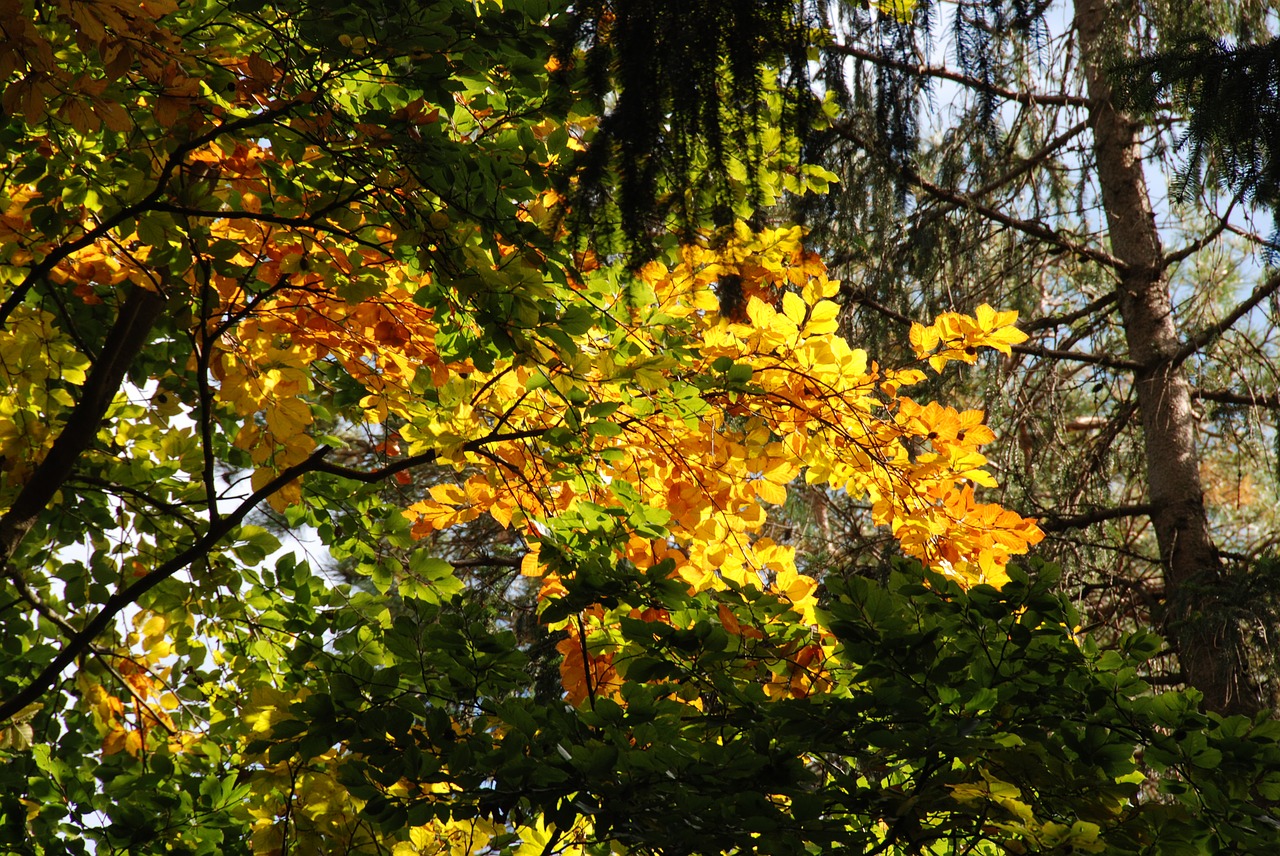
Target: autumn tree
column 984, row 155
column 303, row 268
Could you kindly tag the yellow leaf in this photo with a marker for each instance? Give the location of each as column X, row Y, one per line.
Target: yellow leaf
column 289, row 495
column 900, row 10
column 923, row 339
column 261, row 478
column 819, row 287
column 793, row 307
column 762, row 315
column 794, row 586
column 288, row 418
column 823, row 319
column 781, row 471
column 501, row 512
column 154, row 625
column 770, row 492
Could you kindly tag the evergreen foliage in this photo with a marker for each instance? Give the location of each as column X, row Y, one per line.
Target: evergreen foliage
column 1231, row 96
column 678, row 86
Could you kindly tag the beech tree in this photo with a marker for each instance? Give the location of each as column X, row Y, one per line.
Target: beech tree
column 302, row 269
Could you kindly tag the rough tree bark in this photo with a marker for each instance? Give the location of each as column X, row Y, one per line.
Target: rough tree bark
column 1207, row 646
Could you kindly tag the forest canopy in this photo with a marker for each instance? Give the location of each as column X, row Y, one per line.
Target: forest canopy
column 362, row 491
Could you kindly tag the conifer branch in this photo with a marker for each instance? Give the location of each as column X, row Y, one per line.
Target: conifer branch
column 1210, row 334
column 1244, row 399
column 944, row 73
column 1101, row 515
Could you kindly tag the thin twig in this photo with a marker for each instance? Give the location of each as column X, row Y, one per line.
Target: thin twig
column 1070, row 317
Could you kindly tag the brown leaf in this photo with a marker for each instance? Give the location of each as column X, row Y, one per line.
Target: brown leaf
column 32, row 104
column 114, row 116
column 260, row 69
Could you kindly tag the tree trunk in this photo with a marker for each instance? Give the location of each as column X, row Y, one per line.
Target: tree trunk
column 1207, row 640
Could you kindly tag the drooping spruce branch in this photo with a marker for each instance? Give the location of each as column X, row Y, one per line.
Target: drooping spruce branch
column 684, row 88
column 1233, row 122
column 680, row 90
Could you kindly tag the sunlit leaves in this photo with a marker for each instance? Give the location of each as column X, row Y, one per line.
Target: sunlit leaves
column 953, row 336
column 901, row 11
column 39, row 367
column 535, row 460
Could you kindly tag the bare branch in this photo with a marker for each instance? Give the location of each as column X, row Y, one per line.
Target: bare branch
column 1027, row 227
column 1102, row 515
column 1070, row 317
column 965, row 200
column 1200, row 243
column 1246, row 399
column 1118, row 363
column 1210, row 334
column 862, row 298
column 1027, row 164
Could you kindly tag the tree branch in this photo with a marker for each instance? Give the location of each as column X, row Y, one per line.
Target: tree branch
column 860, row 297
column 1172, row 258
column 488, row 562
column 217, row 530
column 373, row 476
column 965, row 200
column 1027, row 227
column 1246, row 399
column 137, row 696
column 943, row 73
column 1211, row 333
column 1070, row 317
column 1027, row 163
column 63, row 251
column 1102, row 515
column 122, row 599
column 124, row 341
column 27, row 593
column 1118, row 363
column 311, row 221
